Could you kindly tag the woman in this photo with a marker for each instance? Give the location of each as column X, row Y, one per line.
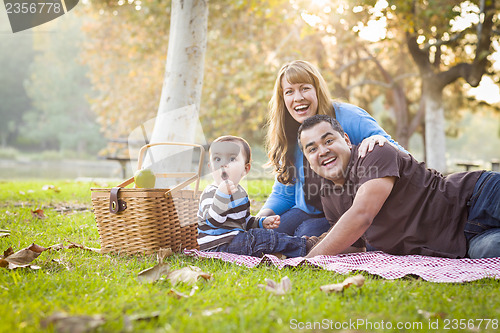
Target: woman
column 300, row 92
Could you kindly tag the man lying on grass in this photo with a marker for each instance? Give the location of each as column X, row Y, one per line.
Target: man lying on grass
column 395, row 204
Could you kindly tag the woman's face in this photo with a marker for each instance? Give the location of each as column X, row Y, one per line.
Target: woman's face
column 301, row 100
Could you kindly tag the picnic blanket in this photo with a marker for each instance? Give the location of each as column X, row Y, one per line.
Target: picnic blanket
column 379, row 263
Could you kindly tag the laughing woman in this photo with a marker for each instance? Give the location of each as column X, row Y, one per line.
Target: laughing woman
column 300, row 92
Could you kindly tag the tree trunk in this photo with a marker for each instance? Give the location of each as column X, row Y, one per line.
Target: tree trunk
column 177, row 118
column 435, row 140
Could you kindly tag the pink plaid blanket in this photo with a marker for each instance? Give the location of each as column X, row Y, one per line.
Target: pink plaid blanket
column 379, row 263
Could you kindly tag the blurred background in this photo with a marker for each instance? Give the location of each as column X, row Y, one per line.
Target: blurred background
column 73, row 89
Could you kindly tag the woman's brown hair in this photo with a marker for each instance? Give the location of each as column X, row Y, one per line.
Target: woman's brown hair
column 281, row 137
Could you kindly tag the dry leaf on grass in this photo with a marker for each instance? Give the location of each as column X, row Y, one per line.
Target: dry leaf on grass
column 127, row 320
column 281, row 288
column 79, row 246
column 8, row 252
column 154, row 273
column 21, row 258
column 38, row 214
column 432, row 315
column 63, row 323
column 51, row 187
column 164, row 253
column 187, row 275
column 179, row 295
column 357, row 280
column 4, row 233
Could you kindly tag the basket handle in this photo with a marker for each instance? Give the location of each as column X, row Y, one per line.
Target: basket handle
column 194, row 175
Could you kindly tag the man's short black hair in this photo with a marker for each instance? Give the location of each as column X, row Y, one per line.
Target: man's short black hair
column 316, row 119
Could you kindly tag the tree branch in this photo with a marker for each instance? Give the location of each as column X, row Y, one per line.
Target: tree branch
column 421, row 57
column 350, row 64
column 372, row 82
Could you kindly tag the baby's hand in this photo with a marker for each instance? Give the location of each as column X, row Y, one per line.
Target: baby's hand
column 271, row 222
column 227, row 187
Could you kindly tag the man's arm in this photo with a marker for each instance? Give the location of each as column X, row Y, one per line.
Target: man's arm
column 354, row 222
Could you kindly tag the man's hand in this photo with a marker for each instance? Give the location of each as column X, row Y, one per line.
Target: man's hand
column 227, row 187
column 271, row 222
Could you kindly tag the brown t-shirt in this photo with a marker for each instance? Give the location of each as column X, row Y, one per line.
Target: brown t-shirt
column 425, row 212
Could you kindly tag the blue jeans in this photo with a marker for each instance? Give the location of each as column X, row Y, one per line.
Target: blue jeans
column 296, row 222
column 257, row 242
column 482, row 229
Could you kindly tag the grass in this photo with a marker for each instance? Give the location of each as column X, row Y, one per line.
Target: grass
column 87, row 283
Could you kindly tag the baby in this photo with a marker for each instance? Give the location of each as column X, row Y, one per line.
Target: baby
column 224, row 220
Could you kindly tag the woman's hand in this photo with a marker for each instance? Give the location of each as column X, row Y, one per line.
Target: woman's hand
column 368, row 144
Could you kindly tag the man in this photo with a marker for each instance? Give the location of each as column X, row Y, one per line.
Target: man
column 397, row 205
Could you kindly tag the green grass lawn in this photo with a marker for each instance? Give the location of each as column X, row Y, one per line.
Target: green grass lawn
column 79, row 282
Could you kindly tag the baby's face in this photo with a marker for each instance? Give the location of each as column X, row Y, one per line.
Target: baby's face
column 227, row 161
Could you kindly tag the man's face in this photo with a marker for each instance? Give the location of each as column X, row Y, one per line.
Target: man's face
column 227, row 161
column 327, row 151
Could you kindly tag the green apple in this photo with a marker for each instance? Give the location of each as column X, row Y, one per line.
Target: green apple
column 144, row 178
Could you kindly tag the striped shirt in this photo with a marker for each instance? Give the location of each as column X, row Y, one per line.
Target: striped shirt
column 221, row 217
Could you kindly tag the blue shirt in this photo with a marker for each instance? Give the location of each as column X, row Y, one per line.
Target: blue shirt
column 358, row 125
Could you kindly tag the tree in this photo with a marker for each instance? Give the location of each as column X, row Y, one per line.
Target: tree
column 126, row 49
column 375, row 73
column 60, row 118
column 450, row 53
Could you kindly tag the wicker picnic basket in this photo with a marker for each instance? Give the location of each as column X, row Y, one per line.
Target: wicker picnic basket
column 140, row 220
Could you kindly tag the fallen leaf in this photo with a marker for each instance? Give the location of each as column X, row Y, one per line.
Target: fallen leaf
column 4, row 234
column 8, row 252
column 357, row 280
column 79, row 246
column 51, row 187
column 431, row 315
column 154, row 273
column 127, row 320
column 38, row 214
column 281, row 288
column 179, row 295
column 57, row 247
column 64, row 323
column 187, row 275
column 164, row 253
column 24, row 257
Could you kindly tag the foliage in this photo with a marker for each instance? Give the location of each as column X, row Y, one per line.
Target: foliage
column 14, row 72
column 125, row 50
column 76, row 283
column 61, row 117
column 127, row 63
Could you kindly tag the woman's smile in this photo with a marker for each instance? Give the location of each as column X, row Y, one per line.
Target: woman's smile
column 300, row 99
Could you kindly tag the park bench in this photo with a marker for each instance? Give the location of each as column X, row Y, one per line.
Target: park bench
column 495, row 165
column 467, row 165
column 118, row 151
